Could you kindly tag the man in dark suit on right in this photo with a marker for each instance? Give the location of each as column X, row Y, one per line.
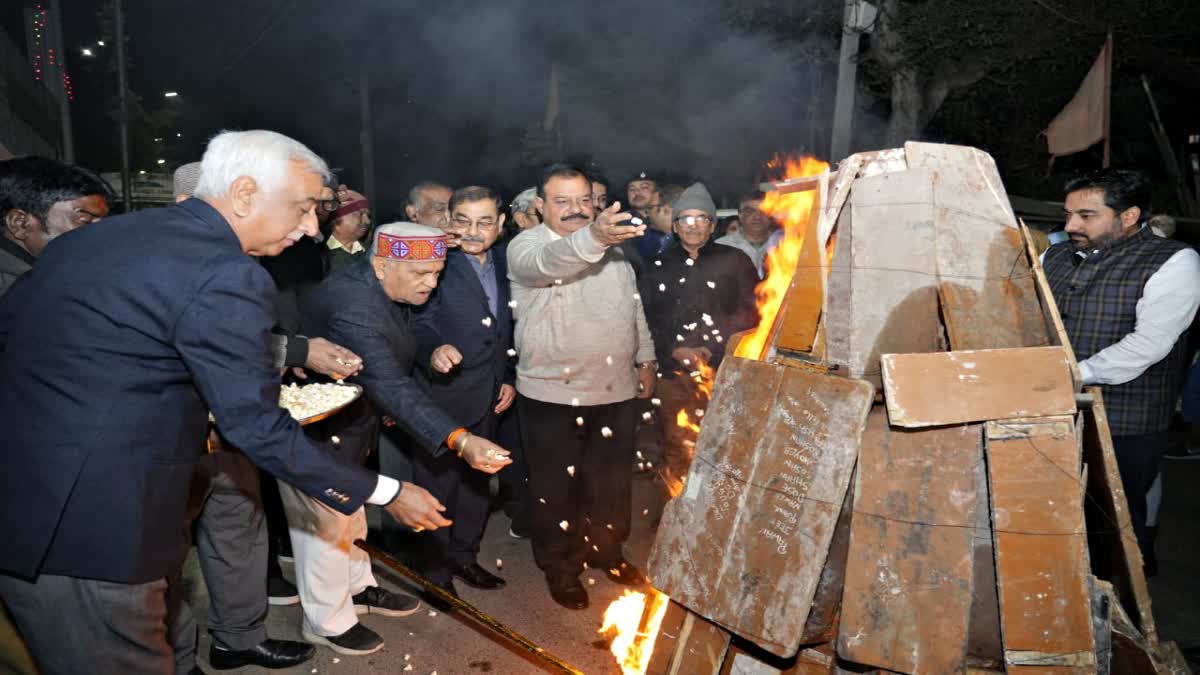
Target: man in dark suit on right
column 464, row 335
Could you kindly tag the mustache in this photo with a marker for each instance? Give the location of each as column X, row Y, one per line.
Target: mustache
column 577, row 216
column 472, row 240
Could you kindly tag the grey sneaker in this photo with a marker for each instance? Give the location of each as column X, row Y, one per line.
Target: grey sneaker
column 376, row 600
column 357, row 641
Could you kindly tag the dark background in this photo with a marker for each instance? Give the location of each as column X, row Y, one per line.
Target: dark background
column 700, row 88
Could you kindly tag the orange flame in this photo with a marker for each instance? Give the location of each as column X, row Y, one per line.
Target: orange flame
column 792, row 209
column 636, row 628
column 703, row 377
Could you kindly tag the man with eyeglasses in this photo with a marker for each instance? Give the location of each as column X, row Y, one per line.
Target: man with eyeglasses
column 585, row 355
column 41, row 199
column 463, row 336
column 429, row 205
column 697, row 294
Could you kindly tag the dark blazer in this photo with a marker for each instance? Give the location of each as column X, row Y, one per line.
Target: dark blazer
column 455, row 315
column 112, row 352
column 351, row 309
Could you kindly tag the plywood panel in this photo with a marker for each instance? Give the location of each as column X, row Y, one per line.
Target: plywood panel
column 687, row 644
column 797, row 323
column 889, row 305
column 985, row 282
column 907, row 597
column 974, row 386
column 825, row 614
column 1041, row 563
column 745, row 543
column 1055, row 331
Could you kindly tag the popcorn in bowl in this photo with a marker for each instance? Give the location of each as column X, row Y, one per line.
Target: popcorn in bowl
column 311, row 400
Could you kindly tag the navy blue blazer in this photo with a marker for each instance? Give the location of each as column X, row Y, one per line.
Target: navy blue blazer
column 351, row 309
column 456, row 314
column 113, row 350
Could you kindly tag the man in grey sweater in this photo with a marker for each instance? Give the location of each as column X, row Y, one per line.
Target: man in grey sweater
column 585, row 354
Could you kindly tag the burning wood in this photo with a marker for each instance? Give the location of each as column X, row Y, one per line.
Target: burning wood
column 634, row 625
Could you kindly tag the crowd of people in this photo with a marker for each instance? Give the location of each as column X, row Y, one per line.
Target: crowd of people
column 507, row 358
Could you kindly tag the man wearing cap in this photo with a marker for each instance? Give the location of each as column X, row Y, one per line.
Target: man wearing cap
column 585, row 355
column 464, row 335
column 41, row 199
column 108, row 380
column 366, row 306
column 344, row 233
column 697, row 295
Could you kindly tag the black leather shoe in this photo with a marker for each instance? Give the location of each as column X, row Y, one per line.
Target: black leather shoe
column 477, row 577
column 437, row 602
column 568, row 592
column 626, row 574
column 267, row 654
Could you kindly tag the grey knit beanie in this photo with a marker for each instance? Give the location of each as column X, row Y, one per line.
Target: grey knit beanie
column 186, row 179
column 695, row 197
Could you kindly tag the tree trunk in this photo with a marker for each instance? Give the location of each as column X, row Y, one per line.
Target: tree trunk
column 908, row 102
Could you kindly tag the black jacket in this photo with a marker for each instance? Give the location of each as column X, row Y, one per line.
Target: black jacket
column 113, row 350
column 458, row 314
column 720, row 283
column 350, row 308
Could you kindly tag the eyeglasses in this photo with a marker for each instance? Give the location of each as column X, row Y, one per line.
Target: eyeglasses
column 694, row 221
column 483, row 224
column 328, row 205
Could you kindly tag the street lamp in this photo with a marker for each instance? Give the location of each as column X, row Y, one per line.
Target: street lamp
column 99, row 43
column 162, row 161
column 86, row 51
column 171, row 94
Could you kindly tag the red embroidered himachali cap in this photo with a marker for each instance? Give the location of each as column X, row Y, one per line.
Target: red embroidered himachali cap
column 421, row 246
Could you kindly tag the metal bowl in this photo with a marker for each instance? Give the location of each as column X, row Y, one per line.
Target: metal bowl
column 333, row 411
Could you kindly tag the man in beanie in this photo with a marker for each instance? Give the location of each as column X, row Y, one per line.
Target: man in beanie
column 697, row 294
column 344, row 233
column 585, row 355
column 366, row 307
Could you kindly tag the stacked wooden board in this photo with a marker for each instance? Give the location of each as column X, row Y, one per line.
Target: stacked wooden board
column 901, row 484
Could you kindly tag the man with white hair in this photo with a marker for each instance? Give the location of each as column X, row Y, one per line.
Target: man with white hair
column 429, row 205
column 112, row 351
column 366, row 306
column 524, row 209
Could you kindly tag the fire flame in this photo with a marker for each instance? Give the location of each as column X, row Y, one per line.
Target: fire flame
column 703, row 377
column 792, row 210
column 636, row 628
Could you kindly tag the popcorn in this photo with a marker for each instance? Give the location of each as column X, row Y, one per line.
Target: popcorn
column 637, row 296
column 406, row 668
column 609, row 526
column 635, row 221
column 639, row 452
column 558, row 282
column 645, row 512
column 567, row 371
column 432, row 613
column 687, row 362
column 564, row 525
column 704, row 337
column 578, row 421
column 656, row 402
column 574, row 403
column 512, row 304
column 512, row 352
column 314, row 399
column 689, row 262
column 678, row 337
column 608, row 359
column 706, row 319
column 542, row 500
column 336, row 660
column 487, row 321
column 606, row 432
column 682, row 279
column 591, row 582
column 719, row 339
column 571, row 471
column 335, row 440
column 658, row 263
column 662, row 287
column 646, row 416
column 711, row 285
column 699, row 412
column 499, row 564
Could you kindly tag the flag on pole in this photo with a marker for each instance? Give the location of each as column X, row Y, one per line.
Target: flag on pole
column 1084, row 121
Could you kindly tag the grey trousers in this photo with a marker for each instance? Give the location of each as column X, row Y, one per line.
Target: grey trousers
column 231, row 545
column 76, row 625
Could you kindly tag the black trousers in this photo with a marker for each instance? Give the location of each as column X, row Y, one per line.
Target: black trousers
column 1139, row 458
column 464, row 493
column 595, row 502
column 514, row 479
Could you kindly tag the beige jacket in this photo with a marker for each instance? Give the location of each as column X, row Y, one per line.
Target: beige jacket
column 580, row 326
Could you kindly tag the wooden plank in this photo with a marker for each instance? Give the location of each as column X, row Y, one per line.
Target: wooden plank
column 801, row 309
column 1116, row 557
column 985, row 649
column 907, row 598
column 745, row 543
column 985, row 285
column 974, row 386
column 1055, row 330
column 825, row 615
column 701, row 648
column 1041, row 565
column 816, row 660
column 890, row 304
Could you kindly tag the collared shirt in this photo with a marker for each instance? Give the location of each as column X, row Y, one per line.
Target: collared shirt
column 486, row 271
column 1168, row 304
column 757, row 253
column 580, row 325
column 335, row 245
